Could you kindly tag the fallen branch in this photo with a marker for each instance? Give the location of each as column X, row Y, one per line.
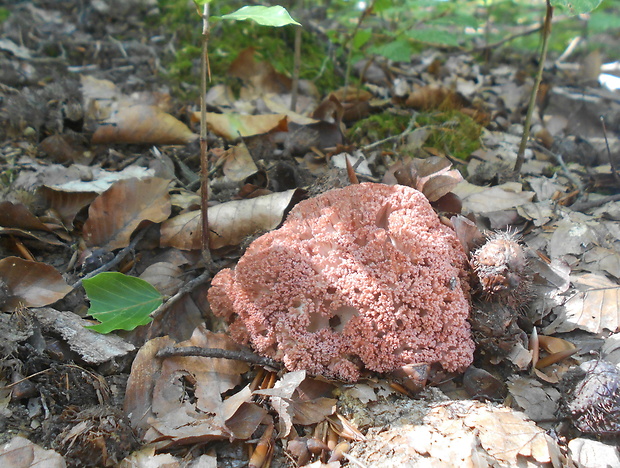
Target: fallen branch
column 244, row 356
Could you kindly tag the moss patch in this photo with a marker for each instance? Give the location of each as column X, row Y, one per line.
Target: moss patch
column 378, row 127
column 452, row 132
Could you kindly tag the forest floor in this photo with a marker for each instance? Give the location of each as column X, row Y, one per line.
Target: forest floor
column 99, row 171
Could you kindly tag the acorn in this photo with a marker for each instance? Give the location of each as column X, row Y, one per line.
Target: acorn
column 500, row 266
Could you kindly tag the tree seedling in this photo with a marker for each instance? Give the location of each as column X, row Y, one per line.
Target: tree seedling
column 575, row 7
column 275, row 16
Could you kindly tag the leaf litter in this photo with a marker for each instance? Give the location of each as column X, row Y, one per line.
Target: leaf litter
column 83, row 185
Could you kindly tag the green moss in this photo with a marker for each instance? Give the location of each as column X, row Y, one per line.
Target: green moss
column 378, row 127
column 4, row 14
column 452, row 132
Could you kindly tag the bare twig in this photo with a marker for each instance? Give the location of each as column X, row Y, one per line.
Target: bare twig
column 244, row 356
column 611, row 160
column 116, row 260
column 186, row 288
column 296, row 67
column 546, row 32
column 560, row 160
column 405, row 132
column 204, row 162
column 583, row 206
column 365, row 13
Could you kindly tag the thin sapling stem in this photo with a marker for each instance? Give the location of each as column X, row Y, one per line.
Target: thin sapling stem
column 546, row 32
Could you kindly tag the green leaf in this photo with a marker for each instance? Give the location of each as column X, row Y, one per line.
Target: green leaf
column 577, row 7
column 437, row 37
column 120, row 302
column 361, row 37
column 202, row 2
column 267, row 16
column 399, row 50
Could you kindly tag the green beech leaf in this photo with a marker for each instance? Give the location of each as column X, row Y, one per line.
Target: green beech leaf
column 267, row 16
column 577, row 7
column 120, row 302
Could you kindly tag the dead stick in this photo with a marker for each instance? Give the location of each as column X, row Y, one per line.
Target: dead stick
column 196, row 351
column 186, row 288
column 611, row 160
column 204, row 162
column 116, row 260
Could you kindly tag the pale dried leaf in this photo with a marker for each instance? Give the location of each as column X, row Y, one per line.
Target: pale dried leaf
column 596, row 307
column 19, row 452
column 538, row 401
column 141, row 124
column 91, row 179
column 232, row 126
column 164, row 276
column 611, row 349
column 506, row 434
column 280, row 398
column 238, row 163
column 229, row 222
column 600, row 258
column 485, row 200
column 157, row 399
column 571, row 236
column 587, row 453
column 116, row 213
column 29, row 284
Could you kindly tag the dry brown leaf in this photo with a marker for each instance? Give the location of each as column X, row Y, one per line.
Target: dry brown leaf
column 29, row 284
column 431, row 97
column 183, row 231
column 140, row 118
column 261, row 76
column 229, row 222
column 232, row 126
column 140, row 124
column 17, row 215
column 506, row 435
column 204, row 416
column 66, row 149
column 490, row 199
column 139, row 394
column 19, row 452
column 43, row 237
column 157, row 401
column 164, row 276
column 433, row 176
column 596, row 307
column 238, row 163
column 116, row 213
column 538, row 401
column 67, row 204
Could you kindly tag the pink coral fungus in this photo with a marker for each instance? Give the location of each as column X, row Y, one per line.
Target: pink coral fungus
column 360, row 277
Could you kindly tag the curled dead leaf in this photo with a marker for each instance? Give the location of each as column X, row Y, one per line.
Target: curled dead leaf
column 229, row 222
column 116, row 213
column 140, row 124
column 29, row 284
